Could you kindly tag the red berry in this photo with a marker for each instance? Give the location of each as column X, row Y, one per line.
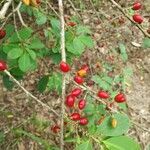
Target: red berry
column 138, row 18
column 75, row 116
column 2, row 33
column 70, row 100
column 120, row 98
column 76, row 92
column 78, row 79
column 3, row 65
column 85, row 67
column 83, row 121
column 55, row 128
column 81, row 104
column 71, row 24
column 103, row 94
column 38, row 2
column 64, row 67
column 137, row 6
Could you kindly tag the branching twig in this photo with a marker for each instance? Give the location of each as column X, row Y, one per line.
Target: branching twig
column 16, row 9
column 5, row 8
column 128, row 17
column 21, row 19
column 29, row 94
column 63, row 55
column 76, row 11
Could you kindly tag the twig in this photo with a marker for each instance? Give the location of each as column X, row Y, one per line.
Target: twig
column 63, row 55
column 15, row 24
column 29, row 94
column 128, row 17
column 51, row 7
column 92, row 93
column 21, row 19
column 72, row 5
column 17, row 8
column 5, row 8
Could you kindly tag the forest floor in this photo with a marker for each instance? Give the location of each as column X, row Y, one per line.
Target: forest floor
column 107, row 34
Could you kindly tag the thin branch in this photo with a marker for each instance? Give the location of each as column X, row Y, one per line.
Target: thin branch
column 17, row 8
column 76, row 11
column 20, row 18
column 128, row 17
column 30, row 95
column 5, row 8
column 63, row 55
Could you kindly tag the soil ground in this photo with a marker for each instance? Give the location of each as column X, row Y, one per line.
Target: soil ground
column 107, row 34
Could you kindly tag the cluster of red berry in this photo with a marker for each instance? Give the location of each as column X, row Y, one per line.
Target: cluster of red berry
column 75, row 93
column 119, row 98
column 71, row 98
column 137, row 17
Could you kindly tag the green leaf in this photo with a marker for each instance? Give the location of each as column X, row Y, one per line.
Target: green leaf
column 7, row 82
column 101, row 83
column 121, row 143
column 86, row 145
column 86, row 40
column 27, row 9
column 146, row 43
column 40, row 18
column 55, row 24
column 124, row 55
column 56, row 58
column 131, row 12
column 15, row 53
column 24, row 34
column 32, row 54
column 55, row 82
column 107, row 79
column 9, row 47
column 78, row 46
column 9, row 30
column 122, row 127
column 2, row 136
column 83, row 30
column 24, row 62
column 36, row 44
column 17, row 73
column 123, row 106
column 127, row 71
column 90, row 108
column 42, row 84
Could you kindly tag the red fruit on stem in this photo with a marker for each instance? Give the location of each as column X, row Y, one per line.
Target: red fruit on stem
column 76, row 92
column 120, row 98
column 81, row 104
column 55, row 128
column 83, row 121
column 138, row 18
column 71, row 24
column 78, row 79
column 137, row 6
column 2, row 33
column 70, row 100
column 38, row 1
column 85, row 67
column 3, row 65
column 75, row 116
column 103, row 94
column 64, row 67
